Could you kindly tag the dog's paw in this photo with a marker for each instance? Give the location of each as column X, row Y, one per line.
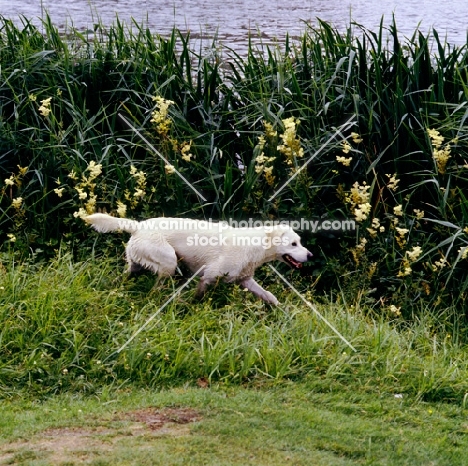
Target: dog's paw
column 270, row 298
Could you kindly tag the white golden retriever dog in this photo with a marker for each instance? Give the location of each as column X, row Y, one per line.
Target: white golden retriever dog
column 219, row 250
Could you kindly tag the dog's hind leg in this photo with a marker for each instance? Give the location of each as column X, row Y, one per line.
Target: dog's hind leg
column 202, row 286
column 134, row 268
column 207, row 278
column 152, row 253
column 257, row 290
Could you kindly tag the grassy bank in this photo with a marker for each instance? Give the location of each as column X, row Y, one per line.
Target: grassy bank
column 224, row 381
column 62, row 325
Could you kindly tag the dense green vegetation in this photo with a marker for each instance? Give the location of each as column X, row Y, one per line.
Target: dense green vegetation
column 368, row 129
column 370, row 125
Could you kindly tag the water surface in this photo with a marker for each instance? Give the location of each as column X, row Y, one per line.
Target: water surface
column 233, row 20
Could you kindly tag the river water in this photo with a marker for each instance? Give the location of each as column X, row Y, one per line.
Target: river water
column 233, row 20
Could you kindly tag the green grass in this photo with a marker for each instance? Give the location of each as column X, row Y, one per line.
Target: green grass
column 63, row 323
column 290, row 423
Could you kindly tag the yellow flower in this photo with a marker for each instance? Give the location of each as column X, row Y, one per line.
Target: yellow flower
column 440, row 264
column 376, row 227
column 59, row 191
column 91, row 204
column 95, row 169
column 261, row 142
column 406, row 270
column 260, row 167
column 343, row 160
column 121, row 209
column 463, row 252
column 162, row 103
column 441, row 156
column 398, row 210
column 372, row 269
column 291, row 147
column 81, row 213
column 140, row 176
column 139, row 192
column 358, row 198
column 259, row 163
column 362, row 211
column 401, row 236
column 10, row 181
column 160, row 116
column 11, row 237
column 269, row 131
column 81, row 194
column 46, row 102
column 170, row 169
column 392, row 182
column 436, row 139
column 395, row 310
column 16, row 203
column 359, row 194
column 72, row 175
column 260, row 159
column 44, row 109
column 359, row 250
column 270, row 178
column 185, row 151
column 419, row 213
column 346, row 147
column 22, row 170
column 414, row 254
column 356, row 138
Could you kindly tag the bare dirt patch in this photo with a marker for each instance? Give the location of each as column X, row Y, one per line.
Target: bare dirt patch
column 81, row 444
column 158, row 418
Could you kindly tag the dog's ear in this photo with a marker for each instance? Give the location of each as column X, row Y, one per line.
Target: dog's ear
column 275, row 235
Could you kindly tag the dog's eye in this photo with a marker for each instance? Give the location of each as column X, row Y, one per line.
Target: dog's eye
column 294, row 244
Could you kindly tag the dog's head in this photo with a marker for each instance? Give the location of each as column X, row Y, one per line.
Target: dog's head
column 289, row 248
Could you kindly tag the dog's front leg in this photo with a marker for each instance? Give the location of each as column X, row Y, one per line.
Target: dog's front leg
column 201, row 288
column 257, row 290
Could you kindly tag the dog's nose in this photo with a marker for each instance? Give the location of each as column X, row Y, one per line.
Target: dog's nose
column 309, row 255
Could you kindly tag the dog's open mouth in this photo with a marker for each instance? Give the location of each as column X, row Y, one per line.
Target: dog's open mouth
column 293, row 263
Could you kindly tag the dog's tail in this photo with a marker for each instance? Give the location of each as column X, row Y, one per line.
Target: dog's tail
column 105, row 223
